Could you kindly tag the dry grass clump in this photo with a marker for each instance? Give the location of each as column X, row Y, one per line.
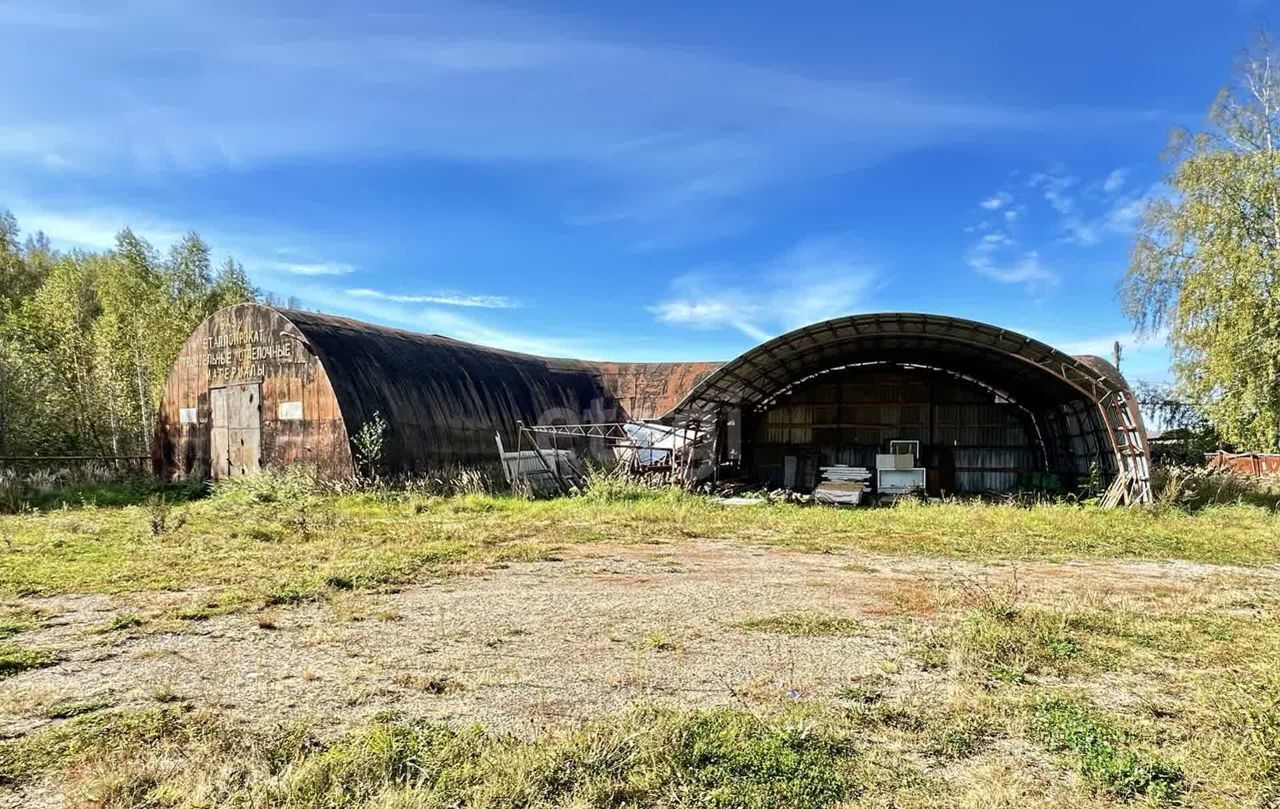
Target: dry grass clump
column 438, row 684
column 805, row 625
column 647, row 757
column 15, row 658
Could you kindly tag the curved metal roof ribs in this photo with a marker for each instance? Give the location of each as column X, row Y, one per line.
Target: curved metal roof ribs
column 1013, row 360
column 1036, row 376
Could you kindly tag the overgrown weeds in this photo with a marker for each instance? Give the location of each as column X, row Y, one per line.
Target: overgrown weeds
column 1193, row 488
column 83, row 485
column 1107, row 756
column 1013, row 646
column 288, row 532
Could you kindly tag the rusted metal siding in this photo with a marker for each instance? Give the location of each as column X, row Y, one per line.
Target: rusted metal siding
column 1077, row 405
column 445, row 399
column 647, row 390
column 323, row 377
column 1110, row 372
column 250, row 344
column 1245, row 463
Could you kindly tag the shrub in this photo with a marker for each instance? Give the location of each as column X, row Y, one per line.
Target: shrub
column 161, row 518
column 1010, row 645
column 1196, row 487
column 368, row 446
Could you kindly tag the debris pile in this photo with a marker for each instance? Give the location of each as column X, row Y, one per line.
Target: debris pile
column 842, row 485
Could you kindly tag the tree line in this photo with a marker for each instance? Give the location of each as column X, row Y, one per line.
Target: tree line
column 87, row 338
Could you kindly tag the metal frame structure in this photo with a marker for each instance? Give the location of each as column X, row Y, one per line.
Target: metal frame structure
column 615, row 433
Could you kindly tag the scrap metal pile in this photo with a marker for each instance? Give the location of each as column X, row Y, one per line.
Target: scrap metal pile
column 546, row 458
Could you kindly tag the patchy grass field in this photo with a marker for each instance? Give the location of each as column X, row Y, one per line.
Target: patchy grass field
column 270, row 647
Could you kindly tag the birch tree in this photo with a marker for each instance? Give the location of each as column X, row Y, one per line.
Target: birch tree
column 87, row 339
column 1205, row 264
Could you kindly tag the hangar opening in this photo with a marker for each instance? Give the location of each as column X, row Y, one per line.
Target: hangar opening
column 980, row 409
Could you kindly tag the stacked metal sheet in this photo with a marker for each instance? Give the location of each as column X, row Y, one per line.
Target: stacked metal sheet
column 842, row 485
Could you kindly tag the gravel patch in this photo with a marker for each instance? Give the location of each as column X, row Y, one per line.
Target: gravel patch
column 531, row 646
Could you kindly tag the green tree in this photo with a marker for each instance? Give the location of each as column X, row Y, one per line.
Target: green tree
column 58, row 382
column 19, row 277
column 87, row 339
column 1205, row 264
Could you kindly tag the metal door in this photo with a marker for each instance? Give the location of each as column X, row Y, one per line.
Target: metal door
column 219, row 451
column 236, row 440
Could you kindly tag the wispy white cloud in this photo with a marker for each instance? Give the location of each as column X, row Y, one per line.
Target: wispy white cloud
column 1055, row 186
column 1025, row 269
column 1088, row 213
column 434, row 320
column 996, row 201
column 1114, row 181
column 815, row 280
column 440, row 299
column 654, row 134
column 998, row 256
column 1125, row 213
column 93, row 229
column 312, row 267
column 291, row 272
column 703, row 309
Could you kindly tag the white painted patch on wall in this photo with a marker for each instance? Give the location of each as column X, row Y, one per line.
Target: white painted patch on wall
column 186, row 415
column 289, row 411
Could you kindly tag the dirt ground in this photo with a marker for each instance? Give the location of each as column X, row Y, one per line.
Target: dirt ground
column 530, row 646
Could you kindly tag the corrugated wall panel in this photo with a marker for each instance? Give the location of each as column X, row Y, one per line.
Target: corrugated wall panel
column 851, row 416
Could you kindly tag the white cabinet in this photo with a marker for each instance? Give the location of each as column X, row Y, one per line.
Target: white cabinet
column 899, row 481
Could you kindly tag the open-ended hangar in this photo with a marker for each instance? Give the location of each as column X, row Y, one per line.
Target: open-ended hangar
column 256, row 387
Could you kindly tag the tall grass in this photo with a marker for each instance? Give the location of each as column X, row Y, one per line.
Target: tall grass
column 78, row 485
column 258, row 536
column 726, row 759
column 1193, row 488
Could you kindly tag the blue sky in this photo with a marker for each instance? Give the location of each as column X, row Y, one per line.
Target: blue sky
column 633, row 181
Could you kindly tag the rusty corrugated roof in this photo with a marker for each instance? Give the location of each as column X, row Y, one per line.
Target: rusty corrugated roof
column 447, row 398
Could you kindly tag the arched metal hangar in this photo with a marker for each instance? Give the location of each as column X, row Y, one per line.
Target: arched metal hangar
column 988, row 406
column 257, row 387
